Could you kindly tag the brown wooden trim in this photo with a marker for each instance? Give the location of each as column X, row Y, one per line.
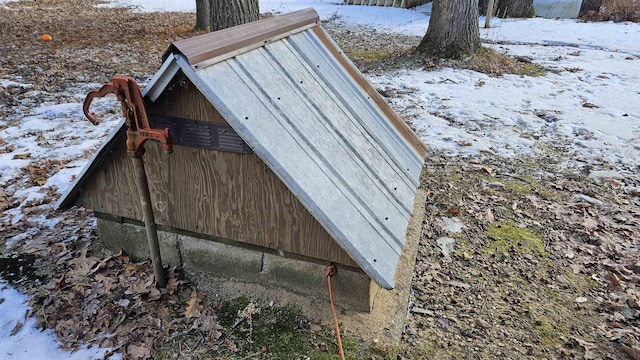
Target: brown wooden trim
column 202, row 48
column 397, row 122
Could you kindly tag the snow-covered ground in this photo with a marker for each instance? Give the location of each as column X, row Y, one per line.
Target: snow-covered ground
column 590, row 105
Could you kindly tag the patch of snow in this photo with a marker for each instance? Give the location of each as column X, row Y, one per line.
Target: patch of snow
column 600, row 176
column 453, row 225
column 446, row 245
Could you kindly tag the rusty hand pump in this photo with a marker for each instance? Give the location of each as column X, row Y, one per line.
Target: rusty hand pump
column 138, row 132
column 138, row 128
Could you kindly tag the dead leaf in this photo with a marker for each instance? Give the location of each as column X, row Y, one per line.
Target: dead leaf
column 614, row 280
column 633, row 351
column 122, row 257
column 230, row 345
column 154, row 294
column 163, row 312
column 589, row 105
column 489, row 216
column 193, row 305
column 210, row 325
column 459, row 284
column 16, row 328
column 589, row 224
column 139, row 352
column 21, row 156
column 135, row 267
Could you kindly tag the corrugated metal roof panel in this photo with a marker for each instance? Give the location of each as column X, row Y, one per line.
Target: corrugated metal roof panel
column 326, row 139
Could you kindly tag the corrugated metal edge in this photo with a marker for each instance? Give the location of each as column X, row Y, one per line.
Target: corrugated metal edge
column 214, row 60
column 223, row 44
column 161, row 79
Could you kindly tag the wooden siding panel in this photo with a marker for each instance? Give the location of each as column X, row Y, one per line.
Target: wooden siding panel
column 112, row 189
column 179, row 102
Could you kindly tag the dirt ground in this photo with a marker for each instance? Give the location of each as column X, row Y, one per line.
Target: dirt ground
column 519, row 258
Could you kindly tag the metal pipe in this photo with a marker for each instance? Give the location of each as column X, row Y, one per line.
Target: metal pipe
column 149, row 220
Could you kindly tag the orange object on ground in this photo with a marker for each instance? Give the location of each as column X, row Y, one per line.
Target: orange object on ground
column 46, row 37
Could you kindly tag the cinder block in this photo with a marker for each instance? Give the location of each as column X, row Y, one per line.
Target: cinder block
column 219, row 260
column 132, row 239
column 350, row 288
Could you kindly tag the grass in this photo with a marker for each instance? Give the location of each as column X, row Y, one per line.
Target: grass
column 368, row 55
column 492, row 62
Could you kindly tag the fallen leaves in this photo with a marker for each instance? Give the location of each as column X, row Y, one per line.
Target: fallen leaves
column 22, row 156
column 590, row 275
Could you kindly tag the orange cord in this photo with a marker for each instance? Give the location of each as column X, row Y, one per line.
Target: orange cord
column 330, row 271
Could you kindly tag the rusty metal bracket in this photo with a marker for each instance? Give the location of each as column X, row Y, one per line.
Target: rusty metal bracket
column 138, row 128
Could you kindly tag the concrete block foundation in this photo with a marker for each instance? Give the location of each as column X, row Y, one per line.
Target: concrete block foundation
column 210, row 264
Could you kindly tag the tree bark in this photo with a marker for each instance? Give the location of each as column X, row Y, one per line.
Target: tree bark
column 228, row 13
column 515, row 9
column 453, row 30
column 203, row 14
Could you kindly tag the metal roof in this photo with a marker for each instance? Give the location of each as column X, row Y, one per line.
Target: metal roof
column 323, row 130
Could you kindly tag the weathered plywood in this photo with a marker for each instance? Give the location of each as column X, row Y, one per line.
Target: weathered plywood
column 181, row 103
column 112, row 189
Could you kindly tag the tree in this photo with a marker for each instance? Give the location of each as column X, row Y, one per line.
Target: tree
column 228, row 13
column 515, row 9
column 203, row 14
column 220, row 14
column 453, row 30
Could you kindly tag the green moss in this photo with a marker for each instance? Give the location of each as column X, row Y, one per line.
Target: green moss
column 506, row 237
column 532, row 70
column 543, row 325
column 548, row 332
column 518, row 186
column 367, row 55
column 581, row 282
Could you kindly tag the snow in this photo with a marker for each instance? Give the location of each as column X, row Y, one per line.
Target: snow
column 587, row 105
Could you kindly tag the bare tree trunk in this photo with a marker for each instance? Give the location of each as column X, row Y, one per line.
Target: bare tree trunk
column 203, row 14
column 453, row 29
column 515, row 9
column 228, row 13
column 487, row 21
